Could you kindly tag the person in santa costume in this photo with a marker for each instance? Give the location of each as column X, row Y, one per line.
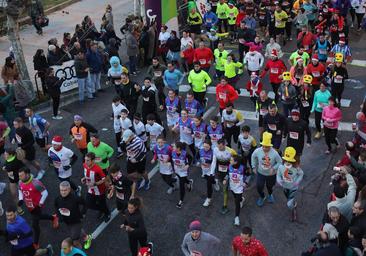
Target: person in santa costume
column 62, row 158
column 254, row 87
column 317, row 70
column 276, row 67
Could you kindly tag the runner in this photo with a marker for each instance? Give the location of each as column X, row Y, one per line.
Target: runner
column 321, row 98
column 173, row 78
column 331, row 117
column 39, row 126
column 136, row 160
column 265, row 162
column 80, row 134
column 19, row 234
column 306, row 97
column 316, row 70
column 199, row 80
column 281, row 18
column 198, row 242
column 67, row 249
column 246, row 244
column 70, row 210
column 4, row 132
column 253, row 61
column 289, row 176
column 102, row 151
column 338, row 75
column 220, row 162
column 181, row 165
column 233, row 70
column 235, row 180
column 220, row 55
column 225, row 93
column 117, row 107
column 262, row 106
column 215, row 131
column 153, row 130
column 193, row 106
column 139, row 128
column 287, row 94
column 274, row 123
column 246, row 146
column 206, row 158
column 199, row 133
column 203, row 57
column 34, row 194
column 232, row 119
column 254, row 87
column 62, row 160
column 184, row 126
column 163, row 153
column 25, row 141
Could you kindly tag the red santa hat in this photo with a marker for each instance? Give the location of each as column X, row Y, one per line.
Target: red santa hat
column 342, row 40
column 299, row 59
column 57, row 140
column 252, row 49
column 315, row 57
column 274, row 53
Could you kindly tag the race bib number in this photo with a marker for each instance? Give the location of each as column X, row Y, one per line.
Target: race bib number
column 319, row 105
column 11, row 175
column 29, row 204
column 78, row 136
column 272, row 127
column 202, row 61
column 57, row 164
column 222, row 168
column 186, row 130
column 14, row 242
column 222, row 96
column 157, row 73
column 64, row 211
column 315, row 74
column 294, row 135
column 120, row 195
column 261, row 17
column 208, row 20
column 98, row 159
column 305, row 103
column 338, row 79
column 274, row 70
column 323, row 51
column 146, row 99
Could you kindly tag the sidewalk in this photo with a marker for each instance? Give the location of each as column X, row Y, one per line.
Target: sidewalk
column 61, row 22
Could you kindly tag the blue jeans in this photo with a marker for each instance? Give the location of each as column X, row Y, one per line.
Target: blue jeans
column 132, row 63
column 268, row 181
column 83, row 84
column 94, row 82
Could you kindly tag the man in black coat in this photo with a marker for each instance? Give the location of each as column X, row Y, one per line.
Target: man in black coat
column 359, row 216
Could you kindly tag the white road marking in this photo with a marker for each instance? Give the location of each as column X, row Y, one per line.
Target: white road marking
column 252, row 115
column 359, row 63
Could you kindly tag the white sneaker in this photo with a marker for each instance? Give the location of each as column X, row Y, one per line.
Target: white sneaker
column 237, row 221
column 242, row 202
column 40, row 174
column 170, row 190
column 217, row 186
column 1, row 209
column 57, row 117
column 207, row 202
column 78, row 191
column 2, row 187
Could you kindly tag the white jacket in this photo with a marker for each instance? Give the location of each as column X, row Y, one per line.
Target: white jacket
column 253, row 61
column 359, row 6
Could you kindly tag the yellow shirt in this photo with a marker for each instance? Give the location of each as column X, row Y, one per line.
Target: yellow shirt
column 280, row 19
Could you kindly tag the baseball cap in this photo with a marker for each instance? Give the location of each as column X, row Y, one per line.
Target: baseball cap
column 126, row 135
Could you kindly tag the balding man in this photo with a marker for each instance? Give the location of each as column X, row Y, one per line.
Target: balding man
column 67, row 248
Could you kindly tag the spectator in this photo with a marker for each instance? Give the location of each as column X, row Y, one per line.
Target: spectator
column 108, row 16
column 41, row 65
column 341, row 224
column 9, row 72
column 82, row 71
column 35, row 10
column 54, row 55
column 359, row 216
column 53, row 84
column 95, row 62
column 132, row 50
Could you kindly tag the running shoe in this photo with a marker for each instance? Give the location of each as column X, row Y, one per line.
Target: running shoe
column 260, row 201
column 170, row 190
column 207, row 202
column 88, row 242
column 141, row 184
column 55, row 223
column 179, row 204
column 224, row 210
column 40, row 174
column 49, row 250
column 317, row 135
column 190, row 185
column 270, row 199
column 236, row 221
column 57, row 117
column 147, row 185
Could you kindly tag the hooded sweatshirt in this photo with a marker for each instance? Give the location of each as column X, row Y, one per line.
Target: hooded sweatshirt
column 115, row 70
column 206, row 244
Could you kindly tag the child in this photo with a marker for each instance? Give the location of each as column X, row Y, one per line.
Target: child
column 206, row 156
column 173, row 108
column 199, row 133
column 125, row 121
column 215, row 131
column 180, row 161
column 117, row 107
column 185, row 130
column 235, row 180
column 246, row 145
column 163, row 153
column 139, row 127
column 153, row 129
column 120, row 185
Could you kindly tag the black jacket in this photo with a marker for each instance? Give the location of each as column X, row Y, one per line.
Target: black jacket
column 130, row 95
column 40, row 63
column 173, row 44
column 24, row 137
column 342, row 228
column 53, row 85
column 360, row 221
column 136, row 222
column 80, row 66
column 295, row 132
column 70, row 209
column 330, row 250
column 275, row 123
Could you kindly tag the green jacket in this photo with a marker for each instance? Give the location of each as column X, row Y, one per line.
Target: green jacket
column 102, row 153
column 320, row 98
column 220, row 60
column 199, row 81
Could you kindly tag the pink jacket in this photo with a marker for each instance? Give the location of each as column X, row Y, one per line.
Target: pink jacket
column 331, row 117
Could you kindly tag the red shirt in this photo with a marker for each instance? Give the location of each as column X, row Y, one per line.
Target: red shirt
column 225, row 94
column 276, row 68
column 308, row 40
column 239, row 18
column 317, row 72
column 203, row 56
column 189, row 55
column 93, row 175
column 254, row 248
column 254, row 87
column 32, row 193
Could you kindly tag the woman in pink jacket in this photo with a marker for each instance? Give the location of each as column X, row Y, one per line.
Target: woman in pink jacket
column 331, row 116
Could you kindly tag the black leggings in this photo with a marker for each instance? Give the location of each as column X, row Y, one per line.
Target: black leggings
column 318, row 119
column 224, row 23
column 193, row 150
column 352, row 11
column 234, row 132
column 330, row 137
column 134, row 241
column 37, row 215
column 275, row 88
column 97, row 202
column 168, row 179
column 182, row 187
column 55, row 104
column 210, row 181
column 337, row 91
column 118, row 139
column 161, row 95
column 359, row 19
column 237, row 199
column 200, row 97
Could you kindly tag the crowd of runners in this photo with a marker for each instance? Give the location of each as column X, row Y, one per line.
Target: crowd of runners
column 155, row 120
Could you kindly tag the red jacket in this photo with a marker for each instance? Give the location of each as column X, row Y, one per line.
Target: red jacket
column 189, row 55
column 254, row 88
column 31, row 193
column 239, row 18
column 317, row 72
column 276, row 68
column 307, row 40
column 225, row 94
column 204, row 56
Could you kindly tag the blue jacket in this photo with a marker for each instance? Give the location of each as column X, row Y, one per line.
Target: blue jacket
column 95, row 61
column 210, row 19
column 173, row 79
column 19, row 233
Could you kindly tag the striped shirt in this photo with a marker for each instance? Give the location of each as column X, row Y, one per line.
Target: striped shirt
column 345, row 50
column 136, row 149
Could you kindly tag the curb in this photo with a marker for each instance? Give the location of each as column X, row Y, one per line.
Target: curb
column 28, row 20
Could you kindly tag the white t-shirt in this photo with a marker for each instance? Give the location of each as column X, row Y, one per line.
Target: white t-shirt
column 125, row 124
column 164, row 36
column 116, row 113
column 60, row 159
column 154, row 131
column 140, row 130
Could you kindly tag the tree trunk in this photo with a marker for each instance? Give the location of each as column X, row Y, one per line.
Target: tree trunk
column 13, row 35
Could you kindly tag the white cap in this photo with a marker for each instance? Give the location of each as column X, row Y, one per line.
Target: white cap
column 126, row 135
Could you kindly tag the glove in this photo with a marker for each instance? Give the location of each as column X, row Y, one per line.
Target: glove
column 67, row 167
column 104, row 161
